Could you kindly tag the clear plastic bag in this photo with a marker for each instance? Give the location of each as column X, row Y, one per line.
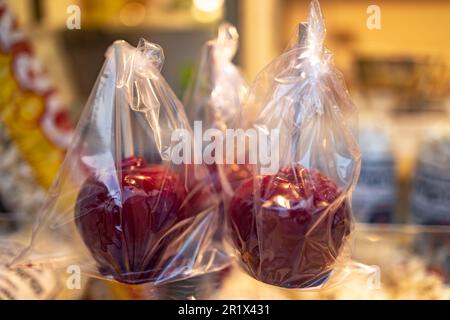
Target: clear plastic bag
column 218, row 89
column 30, row 283
column 214, row 98
column 289, row 224
column 120, row 206
column 353, row 281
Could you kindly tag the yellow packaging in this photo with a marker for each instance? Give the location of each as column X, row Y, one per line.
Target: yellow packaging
column 35, row 128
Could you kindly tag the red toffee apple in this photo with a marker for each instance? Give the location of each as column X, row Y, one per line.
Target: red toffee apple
column 234, row 174
column 129, row 228
column 289, row 228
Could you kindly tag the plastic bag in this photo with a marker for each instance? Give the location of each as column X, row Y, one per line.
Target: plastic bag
column 214, row 98
column 30, row 283
column 33, row 283
column 356, row 281
column 289, row 222
column 218, row 89
column 121, row 207
column 212, row 102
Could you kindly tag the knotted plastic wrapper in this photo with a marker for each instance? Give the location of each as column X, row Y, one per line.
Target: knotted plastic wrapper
column 122, row 207
column 290, row 218
column 218, row 88
column 215, row 95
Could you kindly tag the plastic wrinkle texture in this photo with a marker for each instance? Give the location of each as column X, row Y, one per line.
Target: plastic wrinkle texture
column 299, row 211
column 216, row 94
column 119, row 208
column 218, row 88
column 290, row 227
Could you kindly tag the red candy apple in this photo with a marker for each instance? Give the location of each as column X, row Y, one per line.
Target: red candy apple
column 234, row 174
column 289, row 228
column 128, row 225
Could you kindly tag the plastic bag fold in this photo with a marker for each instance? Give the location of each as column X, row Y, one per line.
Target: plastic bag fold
column 218, row 89
column 121, row 208
column 290, row 219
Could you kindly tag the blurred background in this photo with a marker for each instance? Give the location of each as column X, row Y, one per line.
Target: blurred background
column 410, row 51
column 398, row 76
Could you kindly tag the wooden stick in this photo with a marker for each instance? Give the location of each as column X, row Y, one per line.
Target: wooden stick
column 302, row 33
column 124, row 114
column 126, row 131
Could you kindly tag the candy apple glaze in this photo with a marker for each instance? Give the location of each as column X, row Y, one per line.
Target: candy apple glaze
column 289, row 228
column 126, row 227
